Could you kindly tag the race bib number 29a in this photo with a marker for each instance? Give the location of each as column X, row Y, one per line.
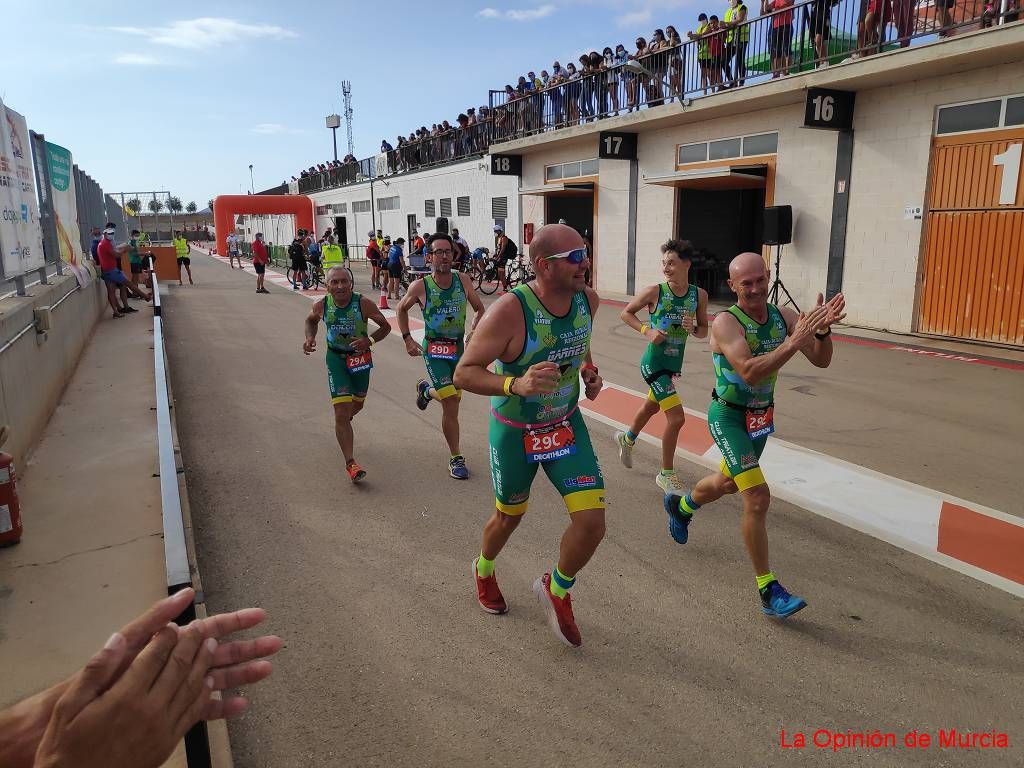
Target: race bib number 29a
column 554, row 442
column 359, row 361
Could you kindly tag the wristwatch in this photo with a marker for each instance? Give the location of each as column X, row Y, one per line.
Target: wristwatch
column 821, row 336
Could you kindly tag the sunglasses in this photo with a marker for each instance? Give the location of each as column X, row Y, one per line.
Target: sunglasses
column 575, row 256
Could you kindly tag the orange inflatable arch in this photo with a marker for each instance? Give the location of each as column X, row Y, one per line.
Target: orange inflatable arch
column 226, row 206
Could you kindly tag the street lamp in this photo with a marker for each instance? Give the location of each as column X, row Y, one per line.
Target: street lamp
column 333, row 122
column 252, row 185
column 637, row 68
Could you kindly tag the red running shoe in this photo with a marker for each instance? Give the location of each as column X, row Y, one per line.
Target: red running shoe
column 558, row 611
column 355, row 472
column 488, row 594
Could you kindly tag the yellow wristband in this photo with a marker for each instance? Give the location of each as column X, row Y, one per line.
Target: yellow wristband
column 644, row 329
column 509, row 381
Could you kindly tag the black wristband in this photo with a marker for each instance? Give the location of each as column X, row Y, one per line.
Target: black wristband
column 406, row 335
column 823, row 336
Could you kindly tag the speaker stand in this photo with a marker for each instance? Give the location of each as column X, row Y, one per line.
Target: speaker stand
column 778, row 285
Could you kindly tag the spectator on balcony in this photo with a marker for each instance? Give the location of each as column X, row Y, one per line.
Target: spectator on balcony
column 588, row 79
column 556, row 95
column 609, row 97
column 736, row 40
column 716, row 52
column 636, row 84
column 780, row 33
column 821, row 29
column 658, row 67
column 572, row 94
column 675, row 62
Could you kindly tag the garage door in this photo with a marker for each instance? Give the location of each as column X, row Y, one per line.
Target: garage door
column 973, row 272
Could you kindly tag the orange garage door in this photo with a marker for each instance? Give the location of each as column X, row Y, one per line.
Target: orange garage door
column 973, row 276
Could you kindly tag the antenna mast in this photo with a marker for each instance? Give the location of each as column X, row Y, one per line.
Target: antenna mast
column 346, row 91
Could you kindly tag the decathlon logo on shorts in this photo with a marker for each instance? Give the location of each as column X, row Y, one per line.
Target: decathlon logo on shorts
column 582, row 481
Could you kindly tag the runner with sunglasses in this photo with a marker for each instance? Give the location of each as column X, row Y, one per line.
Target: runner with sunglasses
column 677, row 309
column 538, row 338
column 443, row 296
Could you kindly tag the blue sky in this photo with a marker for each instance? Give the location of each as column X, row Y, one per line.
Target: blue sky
column 184, row 96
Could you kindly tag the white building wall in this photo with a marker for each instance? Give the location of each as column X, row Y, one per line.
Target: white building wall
column 471, row 178
column 893, row 130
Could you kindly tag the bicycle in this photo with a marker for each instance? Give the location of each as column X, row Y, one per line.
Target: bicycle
column 487, row 278
column 518, row 271
column 315, row 274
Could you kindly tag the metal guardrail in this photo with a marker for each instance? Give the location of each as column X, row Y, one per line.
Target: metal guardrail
column 175, row 553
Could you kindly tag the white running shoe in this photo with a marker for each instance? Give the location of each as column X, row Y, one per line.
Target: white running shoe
column 625, row 450
column 670, row 482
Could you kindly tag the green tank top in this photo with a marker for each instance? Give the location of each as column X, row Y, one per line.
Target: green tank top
column 444, row 310
column 762, row 339
column 668, row 317
column 344, row 323
column 133, row 252
column 564, row 340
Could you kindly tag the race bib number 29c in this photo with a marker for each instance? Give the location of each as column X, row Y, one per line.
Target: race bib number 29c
column 553, row 442
column 760, row 422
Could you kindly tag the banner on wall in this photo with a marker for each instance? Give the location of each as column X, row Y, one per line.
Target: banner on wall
column 21, row 237
column 65, row 209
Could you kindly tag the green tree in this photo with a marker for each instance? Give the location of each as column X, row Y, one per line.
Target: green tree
column 191, row 207
column 133, row 206
column 210, row 203
column 155, row 205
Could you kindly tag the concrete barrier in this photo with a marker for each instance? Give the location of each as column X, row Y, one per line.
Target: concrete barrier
column 36, row 367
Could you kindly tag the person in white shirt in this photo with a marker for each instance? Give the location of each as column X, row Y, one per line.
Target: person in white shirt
column 233, row 250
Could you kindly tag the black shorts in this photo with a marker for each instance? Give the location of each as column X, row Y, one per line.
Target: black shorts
column 394, row 270
column 780, row 41
column 136, row 269
column 260, row 268
column 944, row 5
column 298, row 265
column 820, row 11
column 184, row 260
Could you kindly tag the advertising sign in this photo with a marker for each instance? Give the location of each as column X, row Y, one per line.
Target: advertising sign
column 65, row 209
column 21, row 237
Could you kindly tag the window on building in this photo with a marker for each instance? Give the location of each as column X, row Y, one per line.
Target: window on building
column 723, row 149
column 1014, row 111
column 340, row 208
column 761, row 144
column 969, row 117
column 462, row 206
column 693, row 153
column 388, row 203
column 571, row 170
column 429, row 209
column 446, row 206
column 360, row 206
column 499, row 208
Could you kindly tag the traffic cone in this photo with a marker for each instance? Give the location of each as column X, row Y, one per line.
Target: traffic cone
column 383, row 303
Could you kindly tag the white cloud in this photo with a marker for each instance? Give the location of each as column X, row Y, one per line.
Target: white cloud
column 137, row 59
column 206, row 32
column 518, row 14
column 633, row 19
column 273, row 129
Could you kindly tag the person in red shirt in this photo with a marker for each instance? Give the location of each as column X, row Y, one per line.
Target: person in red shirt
column 373, row 256
column 114, row 277
column 260, row 259
column 780, row 35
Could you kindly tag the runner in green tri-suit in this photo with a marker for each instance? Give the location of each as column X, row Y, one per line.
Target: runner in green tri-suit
column 678, row 310
column 538, row 336
column 443, row 295
column 750, row 343
column 344, row 314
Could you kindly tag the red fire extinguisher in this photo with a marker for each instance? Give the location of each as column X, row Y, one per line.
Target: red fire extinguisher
column 10, row 510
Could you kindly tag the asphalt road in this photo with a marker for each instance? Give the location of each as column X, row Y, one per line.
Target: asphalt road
column 390, row 662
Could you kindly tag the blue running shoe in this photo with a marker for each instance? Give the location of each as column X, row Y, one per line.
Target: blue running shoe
column 422, row 398
column 457, row 468
column 776, row 601
column 678, row 522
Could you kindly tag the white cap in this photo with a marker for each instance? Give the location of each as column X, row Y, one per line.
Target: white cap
column 498, row 229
